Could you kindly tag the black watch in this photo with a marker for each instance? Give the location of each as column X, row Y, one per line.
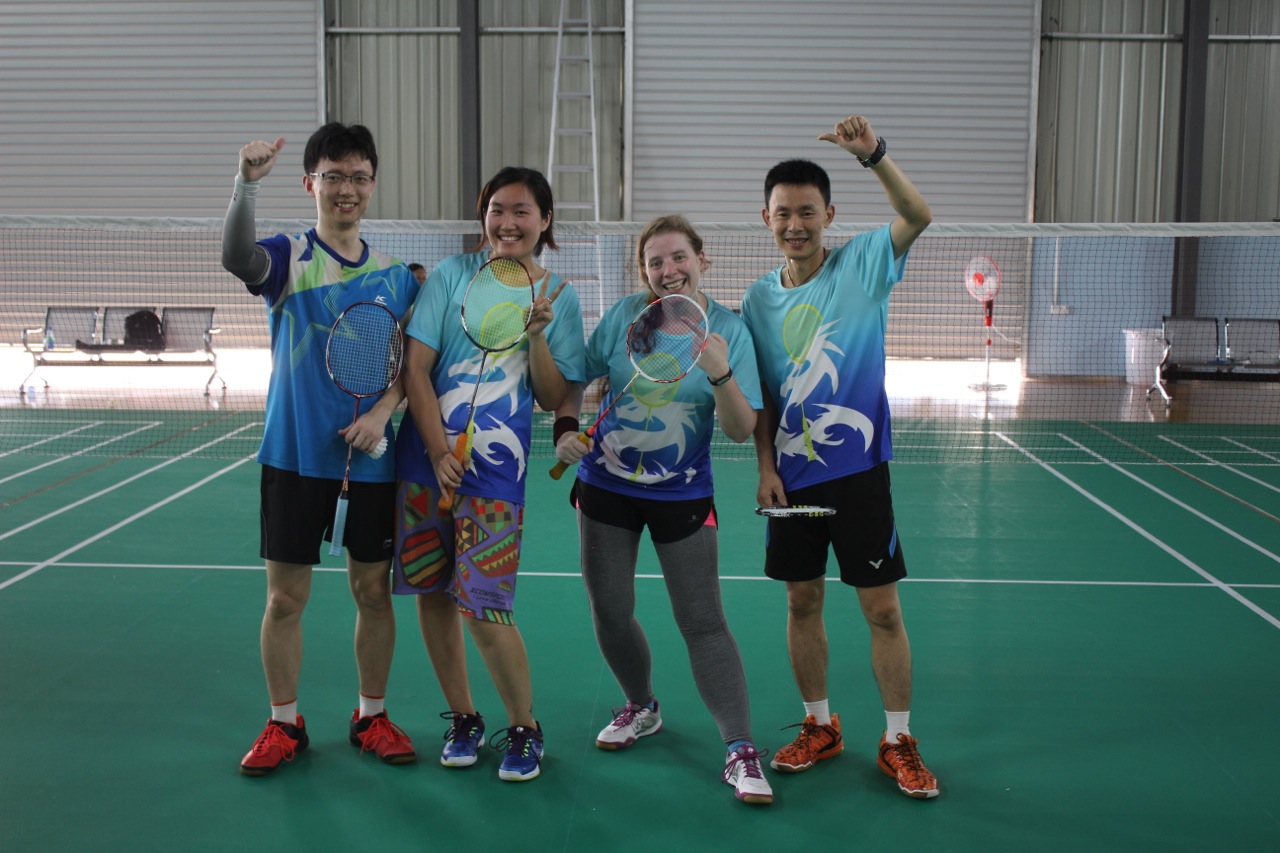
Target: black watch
column 876, row 156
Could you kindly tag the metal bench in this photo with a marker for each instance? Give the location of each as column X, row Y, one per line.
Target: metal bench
column 71, row 336
column 1253, row 346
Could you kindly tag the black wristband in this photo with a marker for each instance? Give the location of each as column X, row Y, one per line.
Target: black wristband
column 876, row 156
column 564, row 424
column 722, row 379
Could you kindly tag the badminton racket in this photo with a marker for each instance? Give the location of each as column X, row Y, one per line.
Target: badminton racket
column 795, row 511
column 363, row 358
column 496, row 308
column 664, row 342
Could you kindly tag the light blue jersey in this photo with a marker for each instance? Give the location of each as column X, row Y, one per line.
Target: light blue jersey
column 306, row 289
column 656, row 443
column 504, row 407
column 821, row 353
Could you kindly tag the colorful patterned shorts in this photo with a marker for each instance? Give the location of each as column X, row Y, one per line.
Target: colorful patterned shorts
column 472, row 553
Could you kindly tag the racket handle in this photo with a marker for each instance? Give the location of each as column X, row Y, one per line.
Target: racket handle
column 339, row 527
column 446, row 493
column 557, row 470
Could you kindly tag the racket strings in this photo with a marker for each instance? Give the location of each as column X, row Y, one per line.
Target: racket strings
column 497, row 305
column 668, row 337
column 364, row 351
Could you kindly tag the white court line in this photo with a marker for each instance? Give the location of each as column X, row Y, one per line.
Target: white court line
column 51, row 438
column 113, row 528
column 1222, row 465
column 1251, row 450
column 1197, row 513
column 1145, row 534
column 82, row 452
column 125, row 482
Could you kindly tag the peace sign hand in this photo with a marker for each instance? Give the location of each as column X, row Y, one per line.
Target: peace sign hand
column 541, row 313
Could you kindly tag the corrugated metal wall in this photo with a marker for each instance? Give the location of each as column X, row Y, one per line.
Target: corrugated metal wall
column 1242, row 120
column 1116, row 94
column 723, row 90
column 397, row 73
column 1108, row 139
column 138, row 108
column 394, row 67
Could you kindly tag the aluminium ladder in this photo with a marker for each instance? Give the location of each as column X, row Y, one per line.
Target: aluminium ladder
column 572, row 169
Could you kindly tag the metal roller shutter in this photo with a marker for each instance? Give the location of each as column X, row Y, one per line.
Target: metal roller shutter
column 138, row 108
column 723, row 90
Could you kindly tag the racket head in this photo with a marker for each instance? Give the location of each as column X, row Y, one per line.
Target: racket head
column 497, row 305
column 802, row 511
column 982, row 278
column 365, row 349
column 667, row 338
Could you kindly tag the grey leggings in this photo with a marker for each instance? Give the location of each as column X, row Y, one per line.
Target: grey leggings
column 690, row 570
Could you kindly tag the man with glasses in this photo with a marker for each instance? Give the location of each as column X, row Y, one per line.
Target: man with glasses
column 306, row 281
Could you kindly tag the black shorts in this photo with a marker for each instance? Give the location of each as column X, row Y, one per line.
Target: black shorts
column 297, row 514
column 862, row 533
column 668, row 521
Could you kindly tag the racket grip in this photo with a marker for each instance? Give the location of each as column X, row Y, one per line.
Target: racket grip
column 339, row 528
column 446, row 493
column 557, row 470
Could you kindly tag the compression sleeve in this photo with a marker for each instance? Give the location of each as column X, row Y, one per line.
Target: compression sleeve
column 241, row 255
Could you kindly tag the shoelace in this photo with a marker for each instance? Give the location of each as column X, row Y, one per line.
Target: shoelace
column 381, row 730
column 905, row 757
column 274, row 736
column 625, row 716
column 807, row 733
column 461, row 726
column 749, row 759
column 515, row 738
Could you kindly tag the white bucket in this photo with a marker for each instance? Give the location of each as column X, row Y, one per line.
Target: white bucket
column 1143, row 349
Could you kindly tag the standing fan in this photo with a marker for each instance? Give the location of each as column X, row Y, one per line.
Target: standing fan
column 982, row 278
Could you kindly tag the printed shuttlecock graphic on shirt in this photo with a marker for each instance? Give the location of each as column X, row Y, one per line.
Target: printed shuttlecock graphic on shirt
column 650, row 432
column 803, row 427
column 503, row 373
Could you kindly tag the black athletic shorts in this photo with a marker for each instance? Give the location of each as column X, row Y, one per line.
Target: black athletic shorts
column 297, row 514
column 668, row 521
column 862, row 533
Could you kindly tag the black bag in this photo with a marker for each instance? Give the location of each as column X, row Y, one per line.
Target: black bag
column 142, row 330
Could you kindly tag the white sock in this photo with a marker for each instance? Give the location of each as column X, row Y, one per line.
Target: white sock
column 286, row 712
column 896, row 723
column 820, row 711
column 371, row 706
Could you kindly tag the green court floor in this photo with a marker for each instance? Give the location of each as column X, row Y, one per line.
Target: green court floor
column 1096, row 654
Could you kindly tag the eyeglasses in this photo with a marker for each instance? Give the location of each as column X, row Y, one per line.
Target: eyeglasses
column 337, row 179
